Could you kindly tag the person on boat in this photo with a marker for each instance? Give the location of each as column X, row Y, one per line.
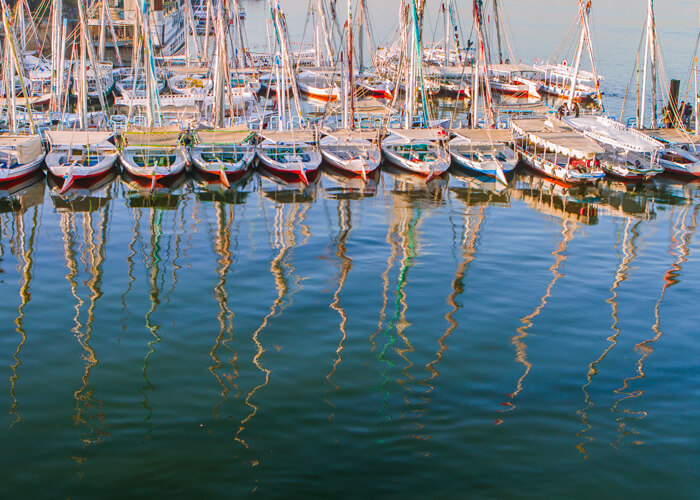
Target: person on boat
column 687, row 113
column 575, row 110
column 667, row 118
column 679, row 116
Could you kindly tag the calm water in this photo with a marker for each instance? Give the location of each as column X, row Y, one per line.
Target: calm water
column 454, row 341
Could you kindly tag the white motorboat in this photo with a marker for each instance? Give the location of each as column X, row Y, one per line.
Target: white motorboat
column 484, row 152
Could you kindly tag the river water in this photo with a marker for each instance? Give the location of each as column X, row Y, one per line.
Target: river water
column 460, row 340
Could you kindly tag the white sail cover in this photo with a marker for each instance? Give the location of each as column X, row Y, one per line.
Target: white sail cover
column 613, row 133
column 557, row 137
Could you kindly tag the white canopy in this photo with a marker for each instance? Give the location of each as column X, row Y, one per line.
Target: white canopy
column 484, row 135
column 289, row 136
column 613, row 133
column 557, row 137
column 234, row 135
column 419, row 134
column 77, row 137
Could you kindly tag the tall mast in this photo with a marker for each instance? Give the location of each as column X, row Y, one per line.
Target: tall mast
column 56, row 49
column 648, row 47
column 481, row 61
column 497, row 20
column 579, row 52
column 351, row 77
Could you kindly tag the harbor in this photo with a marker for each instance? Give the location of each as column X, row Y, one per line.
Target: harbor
column 310, row 248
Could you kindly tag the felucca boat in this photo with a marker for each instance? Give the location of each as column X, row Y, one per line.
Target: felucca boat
column 352, row 152
column 420, row 151
column 20, row 157
column 680, row 155
column 224, row 154
column 484, row 151
column 290, row 155
column 79, row 155
column 154, row 154
column 631, row 155
column 558, row 151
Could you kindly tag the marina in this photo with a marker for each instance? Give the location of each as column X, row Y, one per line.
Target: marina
column 311, row 248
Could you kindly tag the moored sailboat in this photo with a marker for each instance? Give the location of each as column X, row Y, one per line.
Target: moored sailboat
column 224, row 154
column 79, row 155
column 557, row 151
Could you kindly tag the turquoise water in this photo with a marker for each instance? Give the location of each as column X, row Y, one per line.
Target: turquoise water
column 444, row 342
column 460, row 340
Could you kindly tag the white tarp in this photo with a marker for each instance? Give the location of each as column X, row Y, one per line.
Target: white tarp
column 607, row 131
column 553, row 136
column 77, row 137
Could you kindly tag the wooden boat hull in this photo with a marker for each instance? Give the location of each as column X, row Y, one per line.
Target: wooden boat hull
column 563, row 176
column 354, row 159
column 71, row 173
column 295, row 167
column 12, row 175
column 215, row 169
column 146, row 163
column 436, row 163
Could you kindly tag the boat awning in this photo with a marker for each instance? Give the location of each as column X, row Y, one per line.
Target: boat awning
column 174, row 100
column 419, row 134
column 555, row 137
column 236, row 135
column 672, row 135
column 614, row 133
column 484, row 135
column 368, row 135
column 153, row 136
column 288, row 135
column 77, row 137
column 28, row 147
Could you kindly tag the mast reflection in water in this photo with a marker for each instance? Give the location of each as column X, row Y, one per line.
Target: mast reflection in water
column 348, row 336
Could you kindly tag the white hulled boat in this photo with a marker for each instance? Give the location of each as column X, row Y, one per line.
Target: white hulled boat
column 558, row 151
column 484, row 151
column 419, row 151
column 352, row 152
column 224, row 154
column 20, row 157
column 154, row 155
column 79, row 155
column 631, row 155
column 290, row 155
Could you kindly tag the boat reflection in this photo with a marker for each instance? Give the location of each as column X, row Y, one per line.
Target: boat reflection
column 571, row 204
column 479, row 191
column 19, row 197
column 350, row 188
column 84, row 237
column 215, row 190
column 226, row 233
column 402, row 235
column 682, row 230
column 283, row 240
column 568, row 230
column 344, row 264
column 627, row 252
column 13, row 229
column 86, row 198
